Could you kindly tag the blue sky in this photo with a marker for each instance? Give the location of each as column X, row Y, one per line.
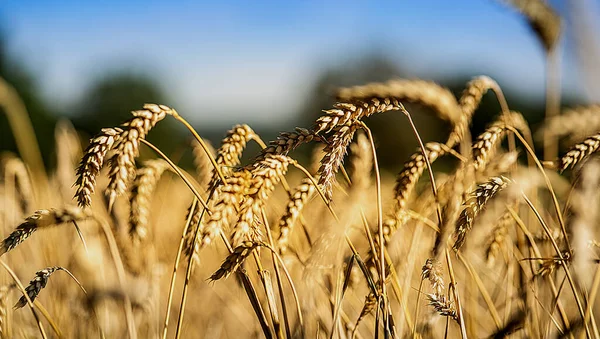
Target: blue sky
column 253, row 61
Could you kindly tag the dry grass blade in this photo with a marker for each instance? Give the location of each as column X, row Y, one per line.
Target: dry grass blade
column 479, row 198
column 544, row 21
column 41, row 219
column 579, row 152
column 142, row 189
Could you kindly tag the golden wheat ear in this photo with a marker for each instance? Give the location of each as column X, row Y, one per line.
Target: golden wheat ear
column 42, row 219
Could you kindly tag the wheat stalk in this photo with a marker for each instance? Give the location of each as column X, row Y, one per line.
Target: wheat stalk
column 361, row 164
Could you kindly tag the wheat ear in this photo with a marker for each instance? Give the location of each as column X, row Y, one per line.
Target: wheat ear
column 468, row 102
column 36, row 285
column 122, row 163
column 146, row 179
column 542, row 19
column 299, row 198
column 422, row 92
column 579, row 152
column 482, row 194
column 235, row 259
column 265, row 175
column 41, row 219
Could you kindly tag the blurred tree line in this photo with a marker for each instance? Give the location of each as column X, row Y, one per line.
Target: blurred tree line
column 109, row 98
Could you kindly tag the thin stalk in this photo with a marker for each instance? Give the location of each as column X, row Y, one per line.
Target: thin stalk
column 277, row 276
column 379, row 224
column 177, row 171
column 114, row 252
column 22, row 289
column 562, row 263
column 174, row 273
column 202, row 144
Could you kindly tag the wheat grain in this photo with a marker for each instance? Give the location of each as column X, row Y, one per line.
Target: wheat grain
column 230, row 197
column 287, row 142
column 482, row 194
column 486, row 143
column 146, row 179
column 432, row 272
column 41, row 219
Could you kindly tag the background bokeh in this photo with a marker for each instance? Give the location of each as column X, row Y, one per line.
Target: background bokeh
column 275, row 65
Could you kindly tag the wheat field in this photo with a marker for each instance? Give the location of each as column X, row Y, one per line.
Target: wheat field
column 503, row 244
